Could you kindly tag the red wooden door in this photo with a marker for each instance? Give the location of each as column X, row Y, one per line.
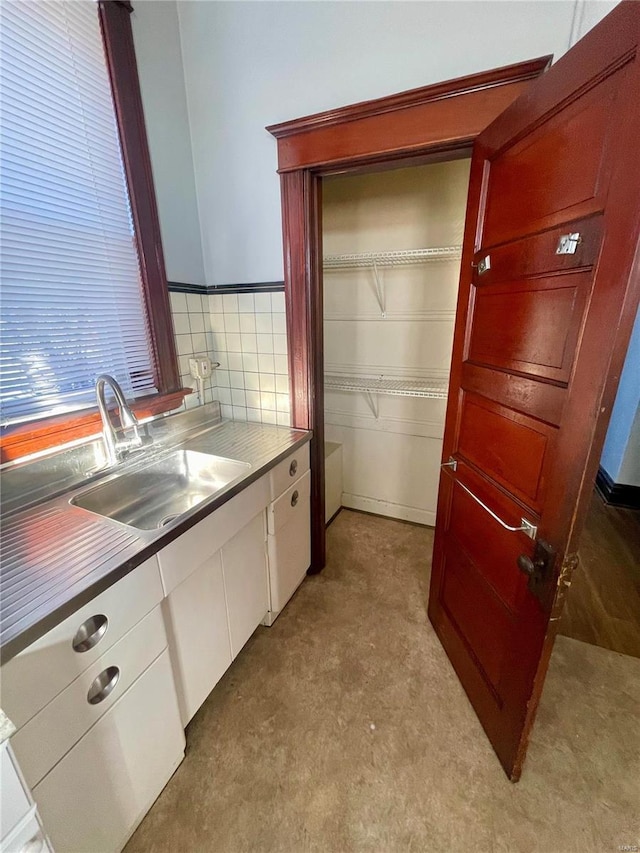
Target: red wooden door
column 554, row 207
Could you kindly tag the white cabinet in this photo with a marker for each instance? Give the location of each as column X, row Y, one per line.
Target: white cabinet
column 98, row 727
column 196, row 619
column 19, row 821
column 217, row 583
column 95, row 797
column 35, row 676
column 288, row 524
column 246, row 585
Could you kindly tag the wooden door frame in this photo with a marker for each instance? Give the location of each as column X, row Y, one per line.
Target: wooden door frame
column 422, row 125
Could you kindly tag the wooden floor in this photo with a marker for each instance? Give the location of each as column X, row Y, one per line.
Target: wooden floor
column 603, row 605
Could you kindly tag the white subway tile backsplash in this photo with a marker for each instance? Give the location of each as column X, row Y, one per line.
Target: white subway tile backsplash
column 279, row 322
column 265, row 343
column 217, row 322
column 215, row 303
column 281, row 363
column 283, row 419
column 253, row 399
column 263, row 323
column 250, row 361
column 266, row 363
column 262, row 302
column 252, row 381
column 219, row 344
column 183, row 344
column 267, row 401
column 234, row 343
column 181, row 324
column 238, row 397
column 196, row 322
column 249, row 343
column 282, row 402
column 178, row 302
column 280, row 344
column 245, row 303
column 230, row 303
column 199, row 343
column 232, row 323
column 247, row 322
column 235, row 361
column 267, row 382
column 246, row 333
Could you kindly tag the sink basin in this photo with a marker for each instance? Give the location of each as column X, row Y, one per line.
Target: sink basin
column 158, row 494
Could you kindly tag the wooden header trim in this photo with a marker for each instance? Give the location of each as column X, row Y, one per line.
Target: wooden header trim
column 516, row 73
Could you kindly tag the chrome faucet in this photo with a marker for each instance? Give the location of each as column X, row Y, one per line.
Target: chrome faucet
column 117, row 447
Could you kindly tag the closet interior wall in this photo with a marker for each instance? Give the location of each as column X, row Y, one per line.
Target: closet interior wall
column 388, row 330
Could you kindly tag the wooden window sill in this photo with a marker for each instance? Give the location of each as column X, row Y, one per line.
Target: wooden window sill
column 25, row 439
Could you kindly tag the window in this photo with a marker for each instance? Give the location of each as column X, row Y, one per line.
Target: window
column 83, row 282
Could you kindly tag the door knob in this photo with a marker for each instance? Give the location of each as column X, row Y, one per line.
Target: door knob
column 526, row 565
column 538, row 569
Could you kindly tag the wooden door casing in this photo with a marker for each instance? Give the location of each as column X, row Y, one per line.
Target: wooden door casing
column 421, row 125
column 538, row 348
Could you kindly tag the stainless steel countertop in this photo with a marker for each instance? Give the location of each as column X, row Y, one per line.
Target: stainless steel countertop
column 57, row 557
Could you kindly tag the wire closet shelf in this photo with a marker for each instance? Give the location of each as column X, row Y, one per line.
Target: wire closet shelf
column 432, row 388
column 392, row 259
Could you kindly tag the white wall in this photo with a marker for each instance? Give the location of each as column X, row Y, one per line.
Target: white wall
column 157, row 44
column 250, row 64
column 621, row 452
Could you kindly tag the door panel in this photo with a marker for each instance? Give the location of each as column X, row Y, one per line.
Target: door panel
column 539, row 342
column 531, row 325
column 509, row 447
column 554, row 188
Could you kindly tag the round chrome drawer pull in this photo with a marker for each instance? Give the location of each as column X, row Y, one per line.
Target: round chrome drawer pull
column 90, row 633
column 102, row 685
column 293, row 468
column 294, row 498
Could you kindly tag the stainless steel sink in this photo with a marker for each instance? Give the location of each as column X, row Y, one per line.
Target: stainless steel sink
column 158, row 494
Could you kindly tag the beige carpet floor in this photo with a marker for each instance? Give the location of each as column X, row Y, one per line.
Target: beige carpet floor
column 343, row 728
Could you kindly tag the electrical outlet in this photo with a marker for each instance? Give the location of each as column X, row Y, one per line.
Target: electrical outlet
column 200, row 368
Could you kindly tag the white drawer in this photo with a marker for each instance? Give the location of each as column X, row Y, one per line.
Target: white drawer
column 14, row 802
column 94, row 798
column 35, row 676
column 289, row 470
column 48, row 736
column 294, row 503
column 187, row 552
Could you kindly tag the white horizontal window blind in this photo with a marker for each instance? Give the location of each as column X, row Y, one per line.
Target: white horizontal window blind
column 71, row 296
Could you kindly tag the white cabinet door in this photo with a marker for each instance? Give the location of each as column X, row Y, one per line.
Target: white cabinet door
column 289, row 543
column 244, row 562
column 196, row 620
column 95, row 797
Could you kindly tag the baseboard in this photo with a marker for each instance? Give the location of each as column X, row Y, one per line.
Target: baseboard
column 617, row 494
column 390, row 510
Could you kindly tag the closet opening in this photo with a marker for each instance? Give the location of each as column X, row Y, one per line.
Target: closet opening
column 391, row 245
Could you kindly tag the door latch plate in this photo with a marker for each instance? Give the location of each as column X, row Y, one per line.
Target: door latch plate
column 568, row 243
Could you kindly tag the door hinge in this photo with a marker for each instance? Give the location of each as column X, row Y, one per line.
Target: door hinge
column 538, row 569
column 483, row 265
